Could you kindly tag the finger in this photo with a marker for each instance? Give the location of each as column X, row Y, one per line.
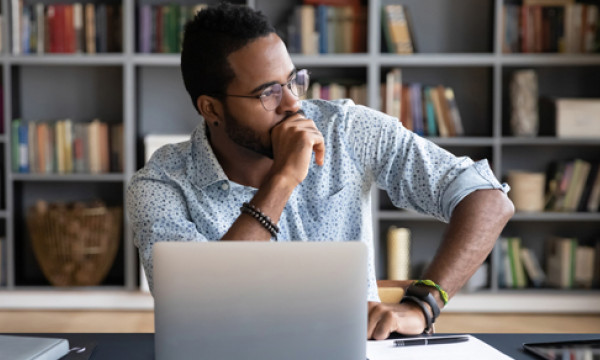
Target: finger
column 319, row 149
column 374, row 315
column 385, row 326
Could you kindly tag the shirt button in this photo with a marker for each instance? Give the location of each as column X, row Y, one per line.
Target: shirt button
column 225, row 186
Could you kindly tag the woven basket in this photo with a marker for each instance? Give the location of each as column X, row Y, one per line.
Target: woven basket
column 75, row 247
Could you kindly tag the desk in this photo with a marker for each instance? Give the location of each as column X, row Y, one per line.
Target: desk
column 141, row 346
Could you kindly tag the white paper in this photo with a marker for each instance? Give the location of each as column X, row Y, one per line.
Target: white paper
column 474, row 349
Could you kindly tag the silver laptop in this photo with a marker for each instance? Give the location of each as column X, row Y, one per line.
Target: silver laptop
column 260, row 300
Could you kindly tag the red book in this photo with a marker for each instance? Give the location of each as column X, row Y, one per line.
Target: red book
column 159, row 29
column 69, row 29
column 59, row 28
column 51, row 15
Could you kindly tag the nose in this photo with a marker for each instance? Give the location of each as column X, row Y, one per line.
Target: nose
column 290, row 103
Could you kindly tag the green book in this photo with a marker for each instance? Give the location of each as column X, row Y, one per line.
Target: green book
column 15, row 144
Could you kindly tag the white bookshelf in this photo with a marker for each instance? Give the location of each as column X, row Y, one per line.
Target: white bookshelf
column 460, row 46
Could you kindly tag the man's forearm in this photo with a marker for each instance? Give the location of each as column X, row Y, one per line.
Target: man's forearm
column 270, row 199
column 474, row 227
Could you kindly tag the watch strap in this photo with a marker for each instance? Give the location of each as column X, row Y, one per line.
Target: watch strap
column 421, row 304
column 423, row 294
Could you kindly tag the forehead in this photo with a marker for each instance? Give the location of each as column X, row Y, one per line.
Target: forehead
column 263, row 60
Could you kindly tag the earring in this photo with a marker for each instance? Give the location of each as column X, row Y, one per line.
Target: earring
column 216, row 123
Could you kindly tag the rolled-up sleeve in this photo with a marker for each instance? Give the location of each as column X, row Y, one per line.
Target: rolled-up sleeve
column 416, row 173
column 478, row 176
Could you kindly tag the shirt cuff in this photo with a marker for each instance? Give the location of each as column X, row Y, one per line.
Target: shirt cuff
column 478, row 176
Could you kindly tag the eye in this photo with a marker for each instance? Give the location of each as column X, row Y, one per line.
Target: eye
column 267, row 92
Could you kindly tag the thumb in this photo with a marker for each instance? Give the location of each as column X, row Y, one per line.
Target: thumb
column 319, row 149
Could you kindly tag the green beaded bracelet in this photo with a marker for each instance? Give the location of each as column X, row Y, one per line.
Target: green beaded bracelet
column 443, row 294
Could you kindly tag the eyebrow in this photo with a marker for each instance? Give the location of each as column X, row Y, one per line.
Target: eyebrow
column 266, row 85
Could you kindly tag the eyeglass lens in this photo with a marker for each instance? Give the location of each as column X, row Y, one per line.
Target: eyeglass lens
column 271, row 97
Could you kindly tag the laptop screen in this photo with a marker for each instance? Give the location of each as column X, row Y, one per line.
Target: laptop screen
column 260, row 300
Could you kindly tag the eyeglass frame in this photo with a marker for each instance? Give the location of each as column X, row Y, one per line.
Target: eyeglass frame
column 286, row 84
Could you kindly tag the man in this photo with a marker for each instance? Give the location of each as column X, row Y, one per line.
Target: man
column 248, row 171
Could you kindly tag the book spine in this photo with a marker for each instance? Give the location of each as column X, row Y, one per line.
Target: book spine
column 23, row 148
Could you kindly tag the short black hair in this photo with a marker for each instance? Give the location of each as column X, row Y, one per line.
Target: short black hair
column 209, row 38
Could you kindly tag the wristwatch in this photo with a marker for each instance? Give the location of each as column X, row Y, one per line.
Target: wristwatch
column 423, row 294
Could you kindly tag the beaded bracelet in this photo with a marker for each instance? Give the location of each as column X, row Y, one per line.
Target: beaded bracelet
column 443, row 294
column 263, row 219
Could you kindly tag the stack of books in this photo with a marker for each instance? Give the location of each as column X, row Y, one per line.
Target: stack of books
column 573, row 185
column 66, row 28
column 334, row 91
column 428, row 110
column 65, row 147
column 551, row 26
column 327, row 27
column 160, row 27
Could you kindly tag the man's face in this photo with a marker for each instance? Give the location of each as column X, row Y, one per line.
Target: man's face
column 261, row 63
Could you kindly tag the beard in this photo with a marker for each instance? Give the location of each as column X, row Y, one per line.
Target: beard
column 245, row 136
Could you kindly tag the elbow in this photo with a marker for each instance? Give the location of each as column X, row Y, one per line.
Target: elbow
column 507, row 208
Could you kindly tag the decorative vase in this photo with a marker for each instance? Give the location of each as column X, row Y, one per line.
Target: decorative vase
column 524, row 103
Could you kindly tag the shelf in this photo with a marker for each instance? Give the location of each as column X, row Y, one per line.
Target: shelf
column 463, row 141
column 67, row 59
column 3, row 214
column 541, row 216
column 69, row 177
column 550, row 59
column 527, row 301
column 403, row 215
column 548, row 140
column 157, row 59
column 337, row 60
column 556, row 216
column 2, row 138
column 437, row 60
column 89, row 299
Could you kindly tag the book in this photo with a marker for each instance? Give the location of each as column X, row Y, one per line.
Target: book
column 406, row 114
column 398, row 253
column 505, row 275
column 445, row 110
column 416, row 106
column 532, row 267
column 516, row 265
column 90, row 28
column 560, row 262
column 29, row 348
column 584, row 266
column 439, row 113
column 454, row 112
column 593, row 203
column 430, row 113
column 510, row 13
column 78, row 31
column 398, row 32
column 23, row 148
column 575, row 186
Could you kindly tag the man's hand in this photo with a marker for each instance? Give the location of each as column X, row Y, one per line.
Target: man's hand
column 407, row 319
column 294, row 141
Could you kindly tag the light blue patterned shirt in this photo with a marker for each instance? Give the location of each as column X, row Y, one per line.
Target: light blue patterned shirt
column 182, row 194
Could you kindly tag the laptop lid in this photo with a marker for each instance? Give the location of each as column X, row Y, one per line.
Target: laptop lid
column 260, row 300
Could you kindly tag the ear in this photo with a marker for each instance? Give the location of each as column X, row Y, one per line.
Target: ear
column 210, row 108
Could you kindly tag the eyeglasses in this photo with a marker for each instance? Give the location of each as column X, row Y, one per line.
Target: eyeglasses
column 271, row 96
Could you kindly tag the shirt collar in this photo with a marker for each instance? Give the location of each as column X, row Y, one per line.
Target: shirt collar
column 206, row 169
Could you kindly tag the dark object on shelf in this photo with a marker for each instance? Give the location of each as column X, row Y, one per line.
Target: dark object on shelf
column 74, row 245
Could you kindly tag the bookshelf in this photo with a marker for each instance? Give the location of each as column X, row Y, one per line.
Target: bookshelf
column 458, row 44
